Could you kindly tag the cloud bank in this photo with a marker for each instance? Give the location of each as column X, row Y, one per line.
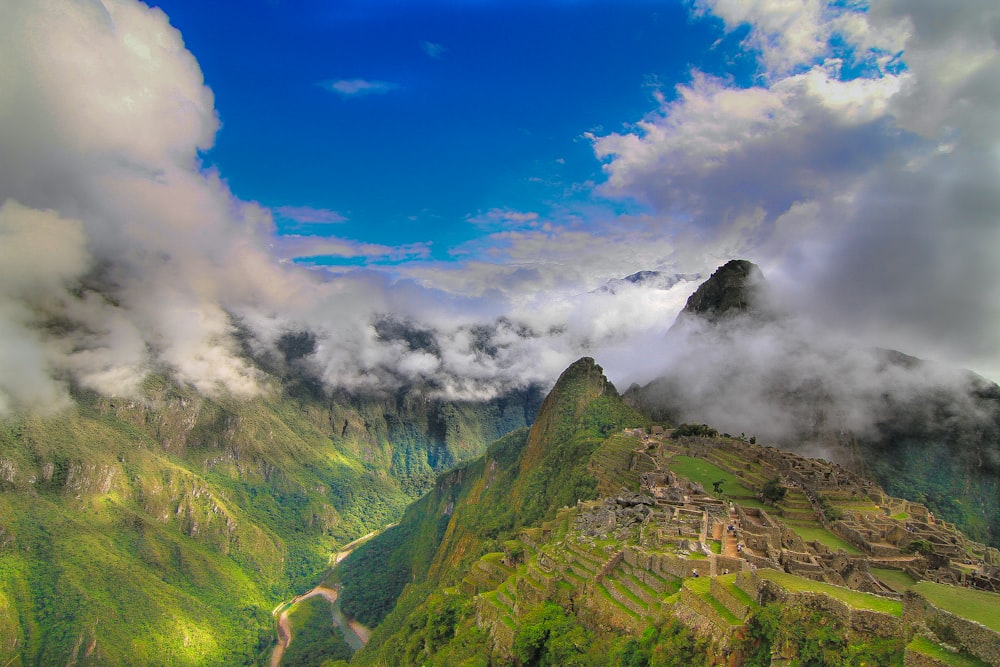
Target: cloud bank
column 859, row 170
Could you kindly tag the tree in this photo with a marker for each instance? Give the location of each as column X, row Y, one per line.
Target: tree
column 773, row 491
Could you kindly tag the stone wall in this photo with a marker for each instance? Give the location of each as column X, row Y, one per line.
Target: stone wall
column 728, row 600
column 861, row 622
column 661, row 564
column 972, row 637
column 916, row 659
column 705, row 609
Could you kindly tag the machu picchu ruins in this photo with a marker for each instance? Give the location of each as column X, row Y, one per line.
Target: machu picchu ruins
column 690, row 532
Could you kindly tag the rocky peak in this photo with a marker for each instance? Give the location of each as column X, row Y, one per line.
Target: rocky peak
column 734, row 288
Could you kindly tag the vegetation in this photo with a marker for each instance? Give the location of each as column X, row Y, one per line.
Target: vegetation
column 921, row 644
column 706, row 474
column 164, row 531
column 979, row 606
column 316, row 639
column 773, row 492
column 856, row 599
column 814, row 532
column 694, row 430
column 898, row 580
column 809, row 637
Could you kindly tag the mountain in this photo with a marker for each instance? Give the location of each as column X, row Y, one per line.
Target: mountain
column 648, row 279
column 786, row 560
column 522, row 479
column 734, row 288
column 164, row 530
column 923, row 431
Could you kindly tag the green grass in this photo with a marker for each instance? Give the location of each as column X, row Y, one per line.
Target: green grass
column 624, row 590
column 705, row 473
column 927, row 647
column 728, row 581
column 610, row 598
column 855, row 599
column 701, row 586
column 898, row 580
column 813, row 532
column 974, row 605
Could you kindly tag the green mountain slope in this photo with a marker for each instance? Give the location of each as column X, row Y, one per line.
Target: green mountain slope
column 648, row 567
column 163, row 531
column 474, row 509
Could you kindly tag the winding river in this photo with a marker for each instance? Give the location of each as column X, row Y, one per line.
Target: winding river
column 355, row 634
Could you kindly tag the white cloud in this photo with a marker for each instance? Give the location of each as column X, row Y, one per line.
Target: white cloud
column 871, row 202
column 308, row 214
column 868, row 199
column 361, row 87
column 433, row 49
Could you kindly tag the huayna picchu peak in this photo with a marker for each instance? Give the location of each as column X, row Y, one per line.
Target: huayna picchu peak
column 735, row 288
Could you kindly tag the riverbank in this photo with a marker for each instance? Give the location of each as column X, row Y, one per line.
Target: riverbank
column 355, row 634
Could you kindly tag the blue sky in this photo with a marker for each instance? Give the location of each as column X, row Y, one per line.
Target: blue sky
column 477, row 171
column 460, row 107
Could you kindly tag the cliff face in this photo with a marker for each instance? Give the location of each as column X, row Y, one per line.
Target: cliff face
column 116, row 514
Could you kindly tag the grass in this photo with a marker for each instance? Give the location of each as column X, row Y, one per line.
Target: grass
column 705, row 473
column 897, row 580
column 927, row 647
column 813, row 532
column 855, row 599
column 610, row 598
column 701, row 586
column 728, row 581
column 624, row 590
column 974, row 605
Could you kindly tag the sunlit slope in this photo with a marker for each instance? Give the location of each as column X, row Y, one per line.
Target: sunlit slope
column 163, row 531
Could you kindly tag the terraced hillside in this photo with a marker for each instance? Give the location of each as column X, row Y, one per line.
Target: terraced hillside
column 684, row 557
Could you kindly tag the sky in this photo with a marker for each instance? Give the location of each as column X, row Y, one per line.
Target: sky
column 185, row 180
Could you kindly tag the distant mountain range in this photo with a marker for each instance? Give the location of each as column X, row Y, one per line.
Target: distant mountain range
column 647, row 279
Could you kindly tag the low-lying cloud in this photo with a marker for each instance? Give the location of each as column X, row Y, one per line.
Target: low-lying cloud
column 870, row 202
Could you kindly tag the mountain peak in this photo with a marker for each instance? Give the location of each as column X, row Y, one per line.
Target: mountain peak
column 735, row 287
column 647, row 279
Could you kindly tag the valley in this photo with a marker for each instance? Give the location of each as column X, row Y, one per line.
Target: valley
column 164, row 530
